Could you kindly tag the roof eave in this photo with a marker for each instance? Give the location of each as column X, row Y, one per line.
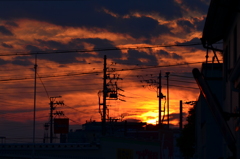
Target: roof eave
column 213, row 28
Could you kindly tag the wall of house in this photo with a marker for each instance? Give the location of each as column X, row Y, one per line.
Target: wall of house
column 208, row 135
column 231, row 58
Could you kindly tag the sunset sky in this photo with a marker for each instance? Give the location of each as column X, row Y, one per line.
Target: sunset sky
column 144, row 33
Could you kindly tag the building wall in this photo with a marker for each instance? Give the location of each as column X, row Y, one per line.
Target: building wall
column 208, row 145
column 122, row 148
column 136, row 148
column 231, row 56
column 51, row 151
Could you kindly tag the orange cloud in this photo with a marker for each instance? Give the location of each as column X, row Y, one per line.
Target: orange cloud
column 80, row 92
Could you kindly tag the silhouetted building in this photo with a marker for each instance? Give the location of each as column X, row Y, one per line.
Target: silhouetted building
column 208, row 136
column 129, row 140
column 223, row 24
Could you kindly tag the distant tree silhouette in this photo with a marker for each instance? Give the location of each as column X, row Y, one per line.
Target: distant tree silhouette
column 186, row 141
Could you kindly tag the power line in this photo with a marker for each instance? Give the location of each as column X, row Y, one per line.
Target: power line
column 59, row 86
column 184, row 87
column 44, row 86
column 182, row 76
column 94, row 50
column 183, row 81
column 88, row 73
column 73, row 120
column 73, row 90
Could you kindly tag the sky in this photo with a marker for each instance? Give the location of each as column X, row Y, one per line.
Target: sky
column 68, row 40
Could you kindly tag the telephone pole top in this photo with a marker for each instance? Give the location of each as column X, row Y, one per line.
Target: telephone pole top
column 52, row 103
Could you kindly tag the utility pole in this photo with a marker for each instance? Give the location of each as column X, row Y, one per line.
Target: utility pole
column 105, row 91
column 180, row 116
column 167, row 75
column 51, row 119
column 159, row 99
column 110, row 92
column 34, row 105
column 35, row 94
column 52, row 103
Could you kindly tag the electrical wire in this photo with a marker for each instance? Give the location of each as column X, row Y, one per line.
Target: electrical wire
column 44, row 87
column 73, row 120
column 89, row 73
column 94, row 50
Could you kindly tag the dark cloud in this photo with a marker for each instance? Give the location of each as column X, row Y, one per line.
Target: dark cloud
column 7, row 45
column 138, row 27
column 19, row 60
column 5, row 31
column 197, row 5
column 65, row 13
column 134, row 57
column 98, row 44
column 186, row 25
column 199, row 23
column 192, row 47
column 133, row 120
column 165, row 54
column 53, row 45
column 10, row 23
column 74, row 44
column 32, row 48
column 23, row 61
column 3, row 62
column 62, row 58
column 92, row 14
column 176, row 56
column 167, row 9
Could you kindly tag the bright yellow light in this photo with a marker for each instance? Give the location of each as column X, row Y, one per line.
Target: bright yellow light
column 152, row 121
column 151, row 117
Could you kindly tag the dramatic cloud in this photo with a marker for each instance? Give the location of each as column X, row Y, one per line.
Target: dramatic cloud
column 138, row 27
column 135, row 57
column 23, row 61
column 165, row 54
column 200, row 6
column 186, row 25
column 101, row 43
column 133, row 120
column 135, row 18
column 3, row 62
column 136, row 36
column 191, row 43
column 168, row 9
column 54, row 12
column 11, row 23
column 5, row 31
column 7, row 46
